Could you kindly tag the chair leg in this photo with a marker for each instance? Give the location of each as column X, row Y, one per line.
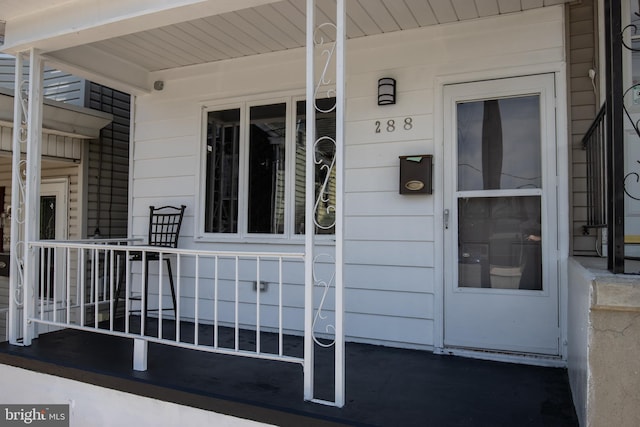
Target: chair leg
column 146, row 289
column 173, row 290
column 119, row 289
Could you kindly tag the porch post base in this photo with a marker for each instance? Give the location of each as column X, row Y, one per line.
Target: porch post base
column 140, row 349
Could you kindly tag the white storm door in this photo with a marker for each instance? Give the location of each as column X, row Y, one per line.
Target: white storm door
column 501, row 287
column 53, row 226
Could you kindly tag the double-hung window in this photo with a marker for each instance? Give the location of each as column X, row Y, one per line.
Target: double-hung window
column 254, row 173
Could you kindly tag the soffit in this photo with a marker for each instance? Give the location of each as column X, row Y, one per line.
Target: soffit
column 280, row 26
column 264, row 28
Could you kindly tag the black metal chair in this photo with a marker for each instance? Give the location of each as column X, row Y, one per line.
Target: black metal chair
column 164, row 229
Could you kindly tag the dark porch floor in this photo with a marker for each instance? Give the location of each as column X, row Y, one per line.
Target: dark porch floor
column 385, row 386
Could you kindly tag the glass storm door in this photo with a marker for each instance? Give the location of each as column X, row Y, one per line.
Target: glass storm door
column 501, row 289
column 53, row 226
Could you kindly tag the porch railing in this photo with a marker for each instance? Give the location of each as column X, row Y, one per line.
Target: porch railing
column 594, row 143
column 240, row 303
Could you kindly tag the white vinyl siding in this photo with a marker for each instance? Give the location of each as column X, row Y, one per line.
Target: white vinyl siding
column 53, row 146
column 392, row 269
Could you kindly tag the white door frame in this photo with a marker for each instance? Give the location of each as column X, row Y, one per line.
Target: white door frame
column 59, row 187
column 562, row 180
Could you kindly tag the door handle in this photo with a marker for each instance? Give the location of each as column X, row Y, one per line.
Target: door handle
column 446, row 219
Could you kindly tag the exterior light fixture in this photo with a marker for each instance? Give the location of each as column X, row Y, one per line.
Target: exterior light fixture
column 386, row 91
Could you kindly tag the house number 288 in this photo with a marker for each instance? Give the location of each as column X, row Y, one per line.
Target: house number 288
column 391, row 125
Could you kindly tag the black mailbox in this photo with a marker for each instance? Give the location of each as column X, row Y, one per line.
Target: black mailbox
column 416, row 174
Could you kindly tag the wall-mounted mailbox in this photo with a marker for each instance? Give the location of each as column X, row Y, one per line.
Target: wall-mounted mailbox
column 416, row 174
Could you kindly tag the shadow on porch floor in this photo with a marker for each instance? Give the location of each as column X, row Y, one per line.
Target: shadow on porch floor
column 385, row 386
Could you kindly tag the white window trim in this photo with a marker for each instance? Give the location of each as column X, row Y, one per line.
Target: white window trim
column 244, row 104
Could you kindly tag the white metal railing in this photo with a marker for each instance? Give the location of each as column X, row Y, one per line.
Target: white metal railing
column 246, row 302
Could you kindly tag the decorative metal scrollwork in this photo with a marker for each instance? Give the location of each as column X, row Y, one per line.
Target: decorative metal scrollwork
column 631, row 188
column 328, row 52
column 323, row 199
column 320, row 316
column 635, row 192
column 18, row 212
column 634, row 30
column 324, row 156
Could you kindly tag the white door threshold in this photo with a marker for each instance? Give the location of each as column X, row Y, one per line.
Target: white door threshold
column 505, row 356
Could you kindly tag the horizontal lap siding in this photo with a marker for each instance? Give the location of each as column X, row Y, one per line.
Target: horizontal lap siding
column 583, row 108
column 391, row 239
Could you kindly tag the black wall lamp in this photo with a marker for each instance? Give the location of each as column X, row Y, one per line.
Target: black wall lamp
column 386, row 91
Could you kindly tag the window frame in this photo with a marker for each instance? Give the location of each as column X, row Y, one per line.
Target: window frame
column 243, row 235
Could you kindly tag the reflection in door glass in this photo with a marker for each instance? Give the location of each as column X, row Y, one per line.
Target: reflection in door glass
column 47, row 217
column 47, row 232
column 499, row 144
column 499, row 243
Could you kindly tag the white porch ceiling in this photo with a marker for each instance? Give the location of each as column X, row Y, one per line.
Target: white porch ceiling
column 267, row 27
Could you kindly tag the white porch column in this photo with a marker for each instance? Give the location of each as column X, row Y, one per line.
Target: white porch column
column 340, row 154
column 309, row 209
column 334, row 55
column 17, row 192
column 32, row 195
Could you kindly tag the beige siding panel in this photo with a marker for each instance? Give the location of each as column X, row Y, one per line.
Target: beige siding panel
column 583, row 112
column 581, row 55
column 586, row 97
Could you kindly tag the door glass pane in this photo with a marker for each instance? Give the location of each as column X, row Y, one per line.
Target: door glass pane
column 499, row 144
column 499, row 242
column 221, row 198
column 267, row 169
column 47, row 232
column 47, row 217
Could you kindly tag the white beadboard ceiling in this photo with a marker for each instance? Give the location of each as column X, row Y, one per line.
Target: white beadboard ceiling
column 281, row 26
column 267, row 28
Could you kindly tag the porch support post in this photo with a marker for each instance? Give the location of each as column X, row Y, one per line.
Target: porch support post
column 140, row 351
column 309, row 206
column 16, row 271
column 332, row 56
column 340, row 154
column 32, row 196
column 615, row 136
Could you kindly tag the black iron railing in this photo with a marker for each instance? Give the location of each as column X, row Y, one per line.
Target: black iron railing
column 594, row 143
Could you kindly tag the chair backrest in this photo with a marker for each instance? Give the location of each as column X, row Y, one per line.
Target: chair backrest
column 164, row 225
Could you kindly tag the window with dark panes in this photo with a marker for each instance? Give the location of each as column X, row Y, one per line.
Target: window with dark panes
column 251, row 185
column 221, row 194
